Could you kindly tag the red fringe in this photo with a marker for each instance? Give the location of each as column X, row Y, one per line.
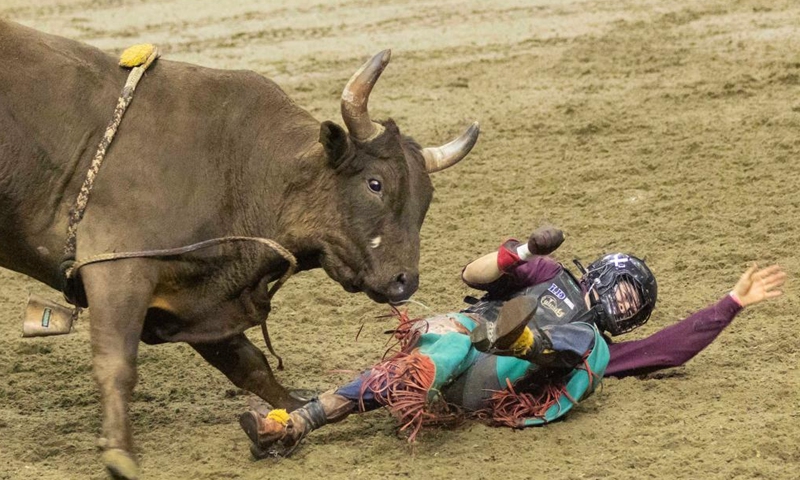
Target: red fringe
column 409, row 330
column 509, row 407
column 401, row 382
column 406, row 334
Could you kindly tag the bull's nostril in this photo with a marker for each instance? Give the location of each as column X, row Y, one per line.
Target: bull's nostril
column 402, row 286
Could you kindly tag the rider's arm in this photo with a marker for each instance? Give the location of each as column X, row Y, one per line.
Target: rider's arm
column 514, row 263
column 674, row 345
column 677, row 344
column 483, row 273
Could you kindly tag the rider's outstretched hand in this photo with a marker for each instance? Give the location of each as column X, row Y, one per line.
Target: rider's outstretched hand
column 756, row 285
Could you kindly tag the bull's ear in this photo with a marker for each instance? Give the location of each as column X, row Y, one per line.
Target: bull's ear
column 336, row 143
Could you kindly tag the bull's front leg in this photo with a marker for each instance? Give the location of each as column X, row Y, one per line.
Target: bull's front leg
column 118, row 295
column 247, row 367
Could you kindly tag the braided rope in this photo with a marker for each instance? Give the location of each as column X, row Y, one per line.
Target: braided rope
column 77, row 211
column 79, row 208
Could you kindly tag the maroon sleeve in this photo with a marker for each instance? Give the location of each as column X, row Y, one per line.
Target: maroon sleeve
column 674, row 345
column 535, row 270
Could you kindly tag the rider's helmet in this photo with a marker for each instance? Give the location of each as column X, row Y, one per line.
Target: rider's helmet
column 623, row 291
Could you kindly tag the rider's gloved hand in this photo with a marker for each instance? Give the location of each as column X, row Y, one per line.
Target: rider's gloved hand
column 545, row 240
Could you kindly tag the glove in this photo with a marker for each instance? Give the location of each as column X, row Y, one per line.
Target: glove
column 545, row 240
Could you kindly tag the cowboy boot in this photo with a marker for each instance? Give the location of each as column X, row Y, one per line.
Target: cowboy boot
column 509, row 333
column 278, row 434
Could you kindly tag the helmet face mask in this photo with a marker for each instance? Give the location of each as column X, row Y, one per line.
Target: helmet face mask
column 624, row 291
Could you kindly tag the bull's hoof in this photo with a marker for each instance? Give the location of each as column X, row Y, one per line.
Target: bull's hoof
column 303, row 395
column 120, row 464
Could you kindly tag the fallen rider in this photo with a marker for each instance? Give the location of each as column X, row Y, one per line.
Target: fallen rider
column 535, row 345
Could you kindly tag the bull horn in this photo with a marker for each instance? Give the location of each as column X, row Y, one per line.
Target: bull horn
column 439, row 158
column 355, row 97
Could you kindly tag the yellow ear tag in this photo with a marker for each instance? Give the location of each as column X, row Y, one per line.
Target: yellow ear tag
column 136, row 55
column 281, row 416
column 523, row 342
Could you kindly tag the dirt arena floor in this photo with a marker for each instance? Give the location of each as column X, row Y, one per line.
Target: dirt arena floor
column 668, row 128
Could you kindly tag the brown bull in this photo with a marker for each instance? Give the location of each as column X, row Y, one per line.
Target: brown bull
column 201, row 154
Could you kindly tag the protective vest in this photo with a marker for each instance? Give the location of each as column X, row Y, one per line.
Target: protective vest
column 560, row 301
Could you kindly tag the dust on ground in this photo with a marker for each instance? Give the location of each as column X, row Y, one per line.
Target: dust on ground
column 667, row 128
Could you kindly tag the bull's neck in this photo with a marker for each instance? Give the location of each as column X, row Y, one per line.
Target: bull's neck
column 285, row 201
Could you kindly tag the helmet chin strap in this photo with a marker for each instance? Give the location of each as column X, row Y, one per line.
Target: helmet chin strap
column 580, row 266
column 594, row 315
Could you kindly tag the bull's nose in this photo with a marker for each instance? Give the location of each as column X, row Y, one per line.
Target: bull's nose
column 402, row 287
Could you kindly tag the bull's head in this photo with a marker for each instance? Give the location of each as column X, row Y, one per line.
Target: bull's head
column 383, row 191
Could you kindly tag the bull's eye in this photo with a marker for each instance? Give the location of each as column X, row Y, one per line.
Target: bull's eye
column 375, row 185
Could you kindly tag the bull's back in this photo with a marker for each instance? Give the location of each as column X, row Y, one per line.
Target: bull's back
column 54, row 86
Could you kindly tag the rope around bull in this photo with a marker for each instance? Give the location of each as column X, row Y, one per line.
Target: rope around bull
column 171, row 252
column 139, row 58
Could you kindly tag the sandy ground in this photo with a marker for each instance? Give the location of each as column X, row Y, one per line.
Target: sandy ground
column 668, row 128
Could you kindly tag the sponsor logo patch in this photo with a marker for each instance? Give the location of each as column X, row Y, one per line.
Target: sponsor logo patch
column 557, row 291
column 549, row 302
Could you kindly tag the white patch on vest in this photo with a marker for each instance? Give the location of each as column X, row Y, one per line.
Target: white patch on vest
column 375, row 242
column 569, row 303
